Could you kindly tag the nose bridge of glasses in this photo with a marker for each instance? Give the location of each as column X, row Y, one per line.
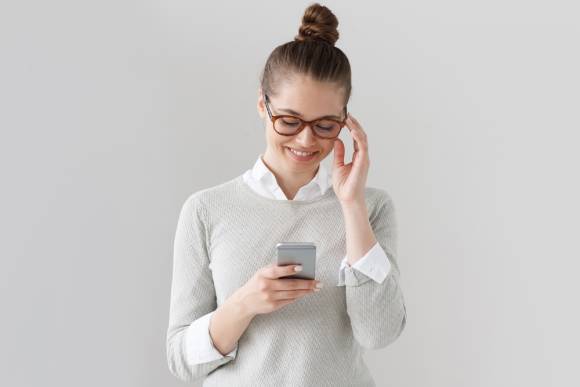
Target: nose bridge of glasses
column 310, row 124
column 310, row 133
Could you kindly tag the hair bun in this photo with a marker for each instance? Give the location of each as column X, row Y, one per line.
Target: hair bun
column 318, row 23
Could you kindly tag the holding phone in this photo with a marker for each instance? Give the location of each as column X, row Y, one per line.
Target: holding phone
column 298, row 253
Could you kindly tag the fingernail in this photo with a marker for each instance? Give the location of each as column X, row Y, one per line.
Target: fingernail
column 319, row 285
column 298, row 268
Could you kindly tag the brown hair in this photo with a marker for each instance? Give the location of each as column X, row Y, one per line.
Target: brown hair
column 311, row 53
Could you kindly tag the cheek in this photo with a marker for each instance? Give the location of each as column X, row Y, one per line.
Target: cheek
column 275, row 142
column 328, row 148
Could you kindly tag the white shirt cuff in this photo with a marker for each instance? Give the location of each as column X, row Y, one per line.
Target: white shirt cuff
column 199, row 345
column 374, row 264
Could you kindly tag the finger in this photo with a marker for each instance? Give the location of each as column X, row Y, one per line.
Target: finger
column 359, row 139
column 355, row 123
column 355, row 145
column 293, row 284
column 338, row 153
column 361, row 147
column 284, row 302
column 274, row 271
column 290, row 294
column 356, row 127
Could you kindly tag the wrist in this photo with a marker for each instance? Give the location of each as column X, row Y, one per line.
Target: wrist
column 354, row 205
column 238, row 306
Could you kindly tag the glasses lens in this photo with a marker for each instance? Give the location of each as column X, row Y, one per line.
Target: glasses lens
column 327, row 128
column 324, row 128
column 287, row 125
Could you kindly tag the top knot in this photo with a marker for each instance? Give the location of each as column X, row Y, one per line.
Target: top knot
column 318, row 23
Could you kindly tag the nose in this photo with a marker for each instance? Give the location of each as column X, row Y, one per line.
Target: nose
column 306, row 137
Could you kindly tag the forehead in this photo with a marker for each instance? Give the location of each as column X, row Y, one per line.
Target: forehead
column 309, row 98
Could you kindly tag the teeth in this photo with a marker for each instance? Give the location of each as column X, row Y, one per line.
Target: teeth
column 300, row 153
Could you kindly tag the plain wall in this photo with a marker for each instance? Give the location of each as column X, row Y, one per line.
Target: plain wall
column 112, row 113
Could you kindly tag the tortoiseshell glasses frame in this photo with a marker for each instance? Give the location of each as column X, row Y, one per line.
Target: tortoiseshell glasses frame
column 303, row 123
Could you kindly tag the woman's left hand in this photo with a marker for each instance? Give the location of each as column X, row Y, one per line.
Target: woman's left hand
column 349, row 180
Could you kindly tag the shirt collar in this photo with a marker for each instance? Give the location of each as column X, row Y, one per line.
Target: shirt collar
column 260, row 172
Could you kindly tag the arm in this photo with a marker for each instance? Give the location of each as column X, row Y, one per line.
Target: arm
column 376, row 310
column 375, row 264
column 228, row 324
column 198, row 338
column 192, row 295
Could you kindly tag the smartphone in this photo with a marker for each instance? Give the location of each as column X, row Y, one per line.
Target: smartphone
column 298, row 253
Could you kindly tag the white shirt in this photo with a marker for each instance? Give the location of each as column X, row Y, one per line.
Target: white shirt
column 374, row 263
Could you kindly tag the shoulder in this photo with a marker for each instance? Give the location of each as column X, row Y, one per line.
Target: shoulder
column 377, row 197
column 379, row 204
column 204, row 198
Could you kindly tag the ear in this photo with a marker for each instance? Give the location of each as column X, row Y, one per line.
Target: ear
column 261, row 105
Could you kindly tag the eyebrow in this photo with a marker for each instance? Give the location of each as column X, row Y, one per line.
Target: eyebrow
column 295, row 113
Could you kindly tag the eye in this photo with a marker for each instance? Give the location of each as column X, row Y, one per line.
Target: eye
column 326, row 125
column 290, row 121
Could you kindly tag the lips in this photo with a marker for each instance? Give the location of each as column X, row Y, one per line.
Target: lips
column 299, row 158
column 303, row 150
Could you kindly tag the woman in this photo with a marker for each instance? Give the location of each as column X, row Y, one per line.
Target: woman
column 234, row 319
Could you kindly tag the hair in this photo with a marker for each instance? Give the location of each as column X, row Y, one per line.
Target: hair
column 311, row 53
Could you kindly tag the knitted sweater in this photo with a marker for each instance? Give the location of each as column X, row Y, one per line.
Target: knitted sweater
column 226, row 233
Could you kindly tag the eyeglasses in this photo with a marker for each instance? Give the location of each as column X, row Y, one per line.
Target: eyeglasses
column 288, row 125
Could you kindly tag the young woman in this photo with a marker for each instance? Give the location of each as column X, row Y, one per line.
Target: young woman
column 234, row 320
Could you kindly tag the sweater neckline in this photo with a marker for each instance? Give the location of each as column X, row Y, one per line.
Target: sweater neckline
column 244, row 187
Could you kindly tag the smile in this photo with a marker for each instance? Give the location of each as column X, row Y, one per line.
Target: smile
column 301, row 156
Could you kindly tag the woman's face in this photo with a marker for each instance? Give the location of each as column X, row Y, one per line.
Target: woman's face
column 310, row 99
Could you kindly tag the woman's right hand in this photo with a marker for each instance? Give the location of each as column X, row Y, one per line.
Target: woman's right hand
column 266, row 291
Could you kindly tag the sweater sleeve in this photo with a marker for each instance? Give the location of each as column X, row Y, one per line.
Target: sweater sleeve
column 377, row 310
column 192, row 294
column 199, row 343
column 374, row 264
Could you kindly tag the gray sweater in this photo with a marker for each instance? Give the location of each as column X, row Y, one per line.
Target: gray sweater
column 226, row 233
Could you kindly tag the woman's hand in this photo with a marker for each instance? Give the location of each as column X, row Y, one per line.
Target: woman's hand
column 266, row 292
column 349, row 181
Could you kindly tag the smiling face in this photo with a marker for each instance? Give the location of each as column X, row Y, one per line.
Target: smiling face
column 308, row 99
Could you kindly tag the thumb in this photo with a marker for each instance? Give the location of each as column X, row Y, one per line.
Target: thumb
column 338, row 153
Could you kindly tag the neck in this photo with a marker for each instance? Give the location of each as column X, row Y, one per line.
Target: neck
column 289, row 181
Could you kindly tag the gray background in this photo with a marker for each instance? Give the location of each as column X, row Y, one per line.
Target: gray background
column 113, row 112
